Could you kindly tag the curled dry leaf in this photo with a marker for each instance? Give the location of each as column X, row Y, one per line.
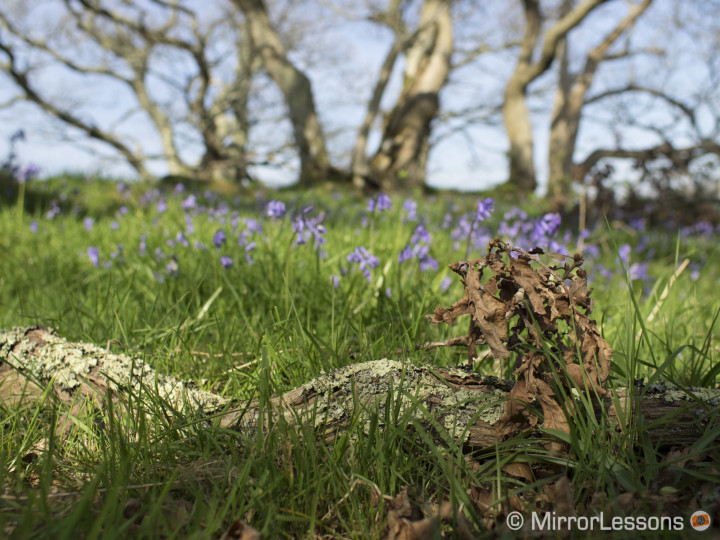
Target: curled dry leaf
column 541, row 312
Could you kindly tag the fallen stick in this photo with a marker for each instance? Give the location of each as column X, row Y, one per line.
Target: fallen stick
column 467, row 405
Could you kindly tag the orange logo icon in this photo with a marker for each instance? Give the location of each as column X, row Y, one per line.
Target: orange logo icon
column 700, row 520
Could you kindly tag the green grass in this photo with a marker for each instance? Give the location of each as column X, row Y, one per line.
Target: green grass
column 253, row 331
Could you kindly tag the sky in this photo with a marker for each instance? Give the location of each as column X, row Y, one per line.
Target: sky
column 351, row 54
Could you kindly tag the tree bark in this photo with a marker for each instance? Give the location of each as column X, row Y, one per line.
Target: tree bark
column 401, row 160
column 296, row 89
column 465, row 405
column 515, row 111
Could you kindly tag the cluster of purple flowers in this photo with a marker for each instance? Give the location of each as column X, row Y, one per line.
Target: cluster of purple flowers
column 419, row 248
column 381, row 203
column 365, row 260
column 470, row 231
column 307, row 227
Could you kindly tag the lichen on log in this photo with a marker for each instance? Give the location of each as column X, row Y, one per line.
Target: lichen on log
column 44, row 356
column 466, row 405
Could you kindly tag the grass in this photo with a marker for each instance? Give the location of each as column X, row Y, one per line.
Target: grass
column 252, row 331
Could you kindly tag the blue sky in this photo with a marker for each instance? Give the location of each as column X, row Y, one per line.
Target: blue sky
column 352, row 52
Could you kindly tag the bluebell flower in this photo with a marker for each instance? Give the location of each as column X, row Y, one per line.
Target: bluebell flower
column 27, row 173
column 624, row 254
column 276, row 209
column 34, row 226
column 143, row 244
column 484, row 209
column 189, row 203
column 546, row 227
column 366, row 261
column 306, row 227
column 219, row 238
column 381, row 203
column 445, row 283
column 93, row 254
column 421, row 235
column 189, row 225
column 172, row 268
column 88, row 223
column 410, row 207
column 161, row 206
column 227, row 262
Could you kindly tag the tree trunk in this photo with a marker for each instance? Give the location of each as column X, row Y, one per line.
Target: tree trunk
column 563, row 131
column 401, row 160
column 296, row 89
column 570, row 99
column 465, row 405
column 515, row 111
column 519, row 131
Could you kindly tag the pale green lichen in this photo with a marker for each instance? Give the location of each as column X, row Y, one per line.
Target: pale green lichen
column 67, row 364
column 369, row 385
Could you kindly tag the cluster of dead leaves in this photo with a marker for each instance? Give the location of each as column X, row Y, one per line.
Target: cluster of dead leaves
column 519, row 304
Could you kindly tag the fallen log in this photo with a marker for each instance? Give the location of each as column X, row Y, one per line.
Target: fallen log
column 468, row 406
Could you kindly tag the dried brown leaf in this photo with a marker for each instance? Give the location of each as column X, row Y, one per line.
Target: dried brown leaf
column 239, row 530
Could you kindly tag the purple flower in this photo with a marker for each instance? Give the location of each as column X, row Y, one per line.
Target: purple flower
column 172, row 268
column 484, row 209
column 421, row 235
column 445, row 283
column 161, row 206
column 366, row 261
column 309, row 227
column 180, row 239
column 93, row 254
column 405, row 255
column 143, row 244
column 88, row 223
column 335, row 280
column 189, row 203
column 410, row 207
column 34, row 226
column 219, row 238
column 546, row 227
column 419, row 249
column 27, row 173
column 388, row 292
column 638, row 271
column 275, row 209
column 253, row 226
column 189, row 225
column 381, row 203
column 114, row 225
column 226, row 261
column 695, row 271
column 624, row 254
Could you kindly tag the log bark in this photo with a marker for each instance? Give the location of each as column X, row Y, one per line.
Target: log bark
column 467, row 405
